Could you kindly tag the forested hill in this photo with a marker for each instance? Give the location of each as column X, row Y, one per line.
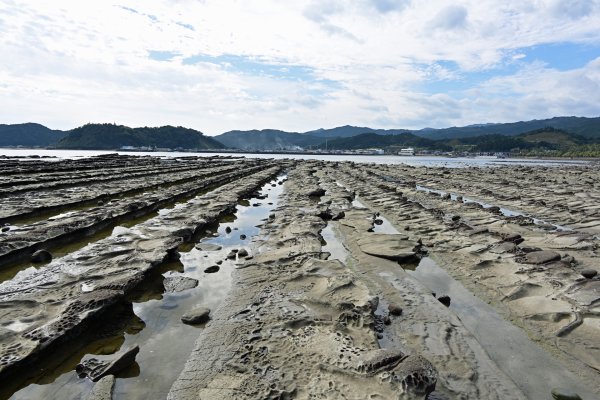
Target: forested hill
column 587, row 127
column 266, row 139
column 370, row 140
column 110, row 137
column 28, row 135
column 581, row 131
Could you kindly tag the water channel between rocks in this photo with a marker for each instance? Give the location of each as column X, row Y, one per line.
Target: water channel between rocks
column 504, row 211
column 165, row 342
column 531, row 368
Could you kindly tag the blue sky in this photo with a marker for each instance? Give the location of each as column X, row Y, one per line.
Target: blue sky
column 220, row 65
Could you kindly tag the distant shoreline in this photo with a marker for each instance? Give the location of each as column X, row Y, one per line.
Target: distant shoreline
column 310, row 153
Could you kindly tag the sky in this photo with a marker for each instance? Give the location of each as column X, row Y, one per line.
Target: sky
column 297, row 65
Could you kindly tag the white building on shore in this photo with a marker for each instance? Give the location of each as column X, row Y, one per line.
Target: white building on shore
column 409, row 151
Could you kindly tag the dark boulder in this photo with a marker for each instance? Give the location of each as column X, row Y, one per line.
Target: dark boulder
column 212, row 269
column 589, row 273
column 445, row 300
column 41, row 256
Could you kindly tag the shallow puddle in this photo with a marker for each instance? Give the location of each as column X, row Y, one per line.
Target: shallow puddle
column 333, row 245
column 382, row 225
column 165, row 342
column 504, row 211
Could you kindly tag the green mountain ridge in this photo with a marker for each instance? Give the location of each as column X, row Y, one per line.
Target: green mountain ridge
column 110, row 136
column 28, row 135
column 588, row 127
column 576, row 131
column 540, row 140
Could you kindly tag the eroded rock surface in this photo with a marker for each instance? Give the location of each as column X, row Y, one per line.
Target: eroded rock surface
column 302, row 322
column 298, row 325
column 47, row 306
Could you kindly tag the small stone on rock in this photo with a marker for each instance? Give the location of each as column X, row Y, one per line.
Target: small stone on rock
column 394, row 309
column 589, row 273
column 564, row 394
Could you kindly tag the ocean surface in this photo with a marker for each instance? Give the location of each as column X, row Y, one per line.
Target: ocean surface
column 459, row 162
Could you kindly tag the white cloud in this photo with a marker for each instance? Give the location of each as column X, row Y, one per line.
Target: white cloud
column 362, row 62
column 451, row 17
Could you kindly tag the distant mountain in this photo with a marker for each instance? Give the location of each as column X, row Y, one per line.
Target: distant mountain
column 349, row 131
column 266, row 139
column 272, row 139
column 28, row 135
column 374, row 140
column 543, row 139
column 556, row 137
column 110, row 136
column 587, row 127
column 107, row 136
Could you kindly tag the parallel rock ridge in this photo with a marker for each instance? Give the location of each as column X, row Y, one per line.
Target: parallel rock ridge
column 301, row 326
column 49, row 305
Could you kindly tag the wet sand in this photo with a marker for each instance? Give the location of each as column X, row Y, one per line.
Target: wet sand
column 334, row 298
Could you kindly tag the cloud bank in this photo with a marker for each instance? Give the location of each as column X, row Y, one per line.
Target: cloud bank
column 217, row 65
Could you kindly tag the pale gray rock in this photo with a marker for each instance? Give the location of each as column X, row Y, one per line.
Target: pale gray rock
column 541, row 257
column 390, row 246
column 196, row 316
column 208, row 247
column 103, row 389
column 175, row 284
